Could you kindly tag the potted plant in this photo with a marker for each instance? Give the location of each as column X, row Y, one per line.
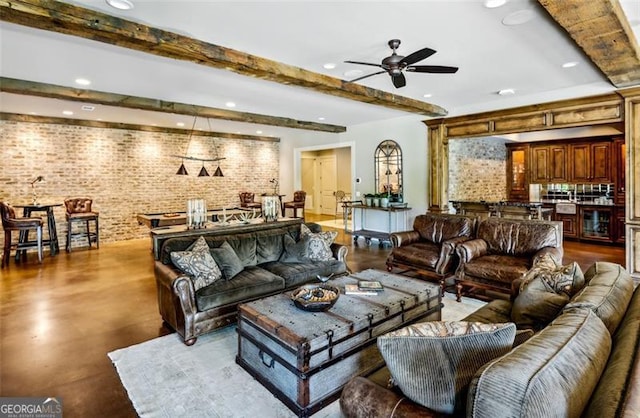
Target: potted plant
column 368, row 197
column 375, row 201
column 384, row 200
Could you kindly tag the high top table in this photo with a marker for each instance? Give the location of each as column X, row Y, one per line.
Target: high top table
column 28, row 209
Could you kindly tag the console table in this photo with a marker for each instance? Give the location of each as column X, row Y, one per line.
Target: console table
column 161, row 234
column 374, row 222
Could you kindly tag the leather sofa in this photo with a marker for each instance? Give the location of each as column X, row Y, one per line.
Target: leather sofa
column 503, row 250
column 429, row 249
column 193, row 313
column 586, row 362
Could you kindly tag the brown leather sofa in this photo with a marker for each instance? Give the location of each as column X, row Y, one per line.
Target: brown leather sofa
column 503, row 250
column 429, row 249
column 585, row 363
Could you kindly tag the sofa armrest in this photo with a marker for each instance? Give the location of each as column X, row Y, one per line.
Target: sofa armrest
column 555, row 253
column 339, row 251
column 448, row 254
column 362, row 398
column 471, row 249
column 398, row 239
column 176, row 299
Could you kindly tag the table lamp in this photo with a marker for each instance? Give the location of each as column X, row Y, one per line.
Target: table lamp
column 33, row 188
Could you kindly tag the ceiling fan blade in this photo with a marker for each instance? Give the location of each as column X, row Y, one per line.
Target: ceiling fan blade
column 399, row 80
column 437, row 69
column 418, row 56
column 368, row 75
column 363, row 63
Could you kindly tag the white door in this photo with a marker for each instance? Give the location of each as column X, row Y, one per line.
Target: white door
column 328, row 184
column 307, row 171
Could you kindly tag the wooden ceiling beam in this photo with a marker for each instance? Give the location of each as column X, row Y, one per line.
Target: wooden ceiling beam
column 89, row 24
column 601, row 29
column 31, row 88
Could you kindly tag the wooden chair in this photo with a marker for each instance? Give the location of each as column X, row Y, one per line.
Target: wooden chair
column 246, row 201
column 79, row 211
column 299, row 198
column 23, row 225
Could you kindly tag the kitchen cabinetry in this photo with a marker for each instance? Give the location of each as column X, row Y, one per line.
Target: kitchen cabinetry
column 620, row 225
column 517, row 172
column 590, row 162
column 620, row 150
column 569, row 225
column 597, row 223
column 548, row 164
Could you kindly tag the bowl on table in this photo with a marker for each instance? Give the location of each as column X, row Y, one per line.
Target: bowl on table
column 315, row 297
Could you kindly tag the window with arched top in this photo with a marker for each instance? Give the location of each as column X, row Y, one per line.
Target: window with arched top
column 388, row 170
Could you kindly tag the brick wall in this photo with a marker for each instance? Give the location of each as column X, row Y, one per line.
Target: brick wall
column 477, row 168
column 126, row 172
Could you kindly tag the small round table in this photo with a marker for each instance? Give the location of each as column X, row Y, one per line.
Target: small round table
column 28, row 209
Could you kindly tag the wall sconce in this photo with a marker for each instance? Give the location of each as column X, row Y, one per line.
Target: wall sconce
column 182, row 171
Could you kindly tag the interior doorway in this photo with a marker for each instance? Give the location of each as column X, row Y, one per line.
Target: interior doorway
column 323, row 170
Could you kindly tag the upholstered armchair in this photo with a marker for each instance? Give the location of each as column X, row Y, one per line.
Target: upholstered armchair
column 503, row 251
column 429, row 249
column 299, row 199
column 246, row 200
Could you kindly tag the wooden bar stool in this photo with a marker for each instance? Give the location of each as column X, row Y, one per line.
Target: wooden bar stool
column 299, row 198
column 246, row 200
column 79, row 211
column 11, row 223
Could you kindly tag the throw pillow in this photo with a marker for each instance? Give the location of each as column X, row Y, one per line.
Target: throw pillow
column 228, row 260
column 433, row 362
column 537, row 304
column 567, row 279
column 197, row 262
column 294, row 252
column 318, row 245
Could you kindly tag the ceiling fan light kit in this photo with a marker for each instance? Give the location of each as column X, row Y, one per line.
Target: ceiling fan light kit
column 395, row 64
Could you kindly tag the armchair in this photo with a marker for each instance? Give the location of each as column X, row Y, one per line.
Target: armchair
column 246, row 200
column 429, row 249
column 503, row 251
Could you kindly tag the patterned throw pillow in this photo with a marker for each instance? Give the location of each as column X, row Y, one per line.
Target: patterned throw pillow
column 433, row 362
column 567, row 279
column 318, row 245
column 197, row 262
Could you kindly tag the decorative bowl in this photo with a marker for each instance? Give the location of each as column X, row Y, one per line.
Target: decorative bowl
column 315, row 297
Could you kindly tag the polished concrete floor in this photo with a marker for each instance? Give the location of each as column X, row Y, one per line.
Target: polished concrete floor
column 59, row 319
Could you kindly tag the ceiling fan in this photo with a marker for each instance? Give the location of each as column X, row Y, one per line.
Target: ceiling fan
column 394, row 64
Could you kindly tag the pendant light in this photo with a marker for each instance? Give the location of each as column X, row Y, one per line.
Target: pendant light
column 182, row 171
column 203, row 171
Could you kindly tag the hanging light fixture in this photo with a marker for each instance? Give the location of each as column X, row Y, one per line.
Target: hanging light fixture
column 203, row 171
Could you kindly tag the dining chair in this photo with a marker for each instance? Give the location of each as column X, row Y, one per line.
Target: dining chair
column 78, row 210
column 9, row 224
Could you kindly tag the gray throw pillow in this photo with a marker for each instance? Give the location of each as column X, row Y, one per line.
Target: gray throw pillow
column 433, row 362
column 318, row 245
column 537, row 304
column 228, row 260
column 197, row 262
column 294, row 252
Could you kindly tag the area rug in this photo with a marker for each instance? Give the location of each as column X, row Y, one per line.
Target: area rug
column 165, row 378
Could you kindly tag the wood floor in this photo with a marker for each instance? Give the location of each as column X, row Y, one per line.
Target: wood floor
column 59, row 320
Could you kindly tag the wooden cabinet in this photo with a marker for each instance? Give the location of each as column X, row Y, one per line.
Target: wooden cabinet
column 597, row 223
column 620, row 225
column 569, row 225
column 620, row 150
column 517, row 172
column 548, row 163
column 590, row 162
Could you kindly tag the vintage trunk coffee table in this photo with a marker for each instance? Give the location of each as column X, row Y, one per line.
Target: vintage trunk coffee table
column 305, row 358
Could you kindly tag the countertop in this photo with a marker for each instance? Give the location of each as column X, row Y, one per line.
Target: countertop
column 579, row 203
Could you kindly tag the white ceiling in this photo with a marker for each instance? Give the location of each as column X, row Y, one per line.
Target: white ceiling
column 491, row 56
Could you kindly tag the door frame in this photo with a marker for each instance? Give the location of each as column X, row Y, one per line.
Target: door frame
column 297, row 161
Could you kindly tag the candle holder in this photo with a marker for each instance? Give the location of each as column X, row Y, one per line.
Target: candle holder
column 196, row 214
column 270, row 208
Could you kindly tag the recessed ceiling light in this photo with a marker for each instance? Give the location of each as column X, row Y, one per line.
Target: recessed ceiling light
column 427, row 95
column 492, row 4
column 569, row 64
column 67, row 112
column 120, row 4
column 353, row 73
column 83, row 81
column 258, row 132
column 506, row 92
column 180, row 123
column 321, row 118
column 518, row 18
column 88, row 108
column 230, row 104
column 329, row 66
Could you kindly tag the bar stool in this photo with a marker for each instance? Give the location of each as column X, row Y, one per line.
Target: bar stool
column 246, row 200
column 79, row 210
column 299, row 198
column 11, row 223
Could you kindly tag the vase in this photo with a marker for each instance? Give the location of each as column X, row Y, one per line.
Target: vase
column 270, row 208
column 384, row 202
column 375, row 202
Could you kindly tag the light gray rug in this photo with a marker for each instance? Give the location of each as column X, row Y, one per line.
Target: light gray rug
column 165, row 378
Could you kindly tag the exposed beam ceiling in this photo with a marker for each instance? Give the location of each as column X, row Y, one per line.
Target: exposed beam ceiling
column 10, row 85
column 77, row 21
column 600, row 28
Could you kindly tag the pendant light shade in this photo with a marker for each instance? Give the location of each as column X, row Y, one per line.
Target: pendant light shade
column 203, row 172
column 218, row 173
column 182, row 171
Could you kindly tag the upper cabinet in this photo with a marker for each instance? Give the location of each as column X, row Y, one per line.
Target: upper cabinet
column 548, row 164
column 590, row 162
column 517, row 171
